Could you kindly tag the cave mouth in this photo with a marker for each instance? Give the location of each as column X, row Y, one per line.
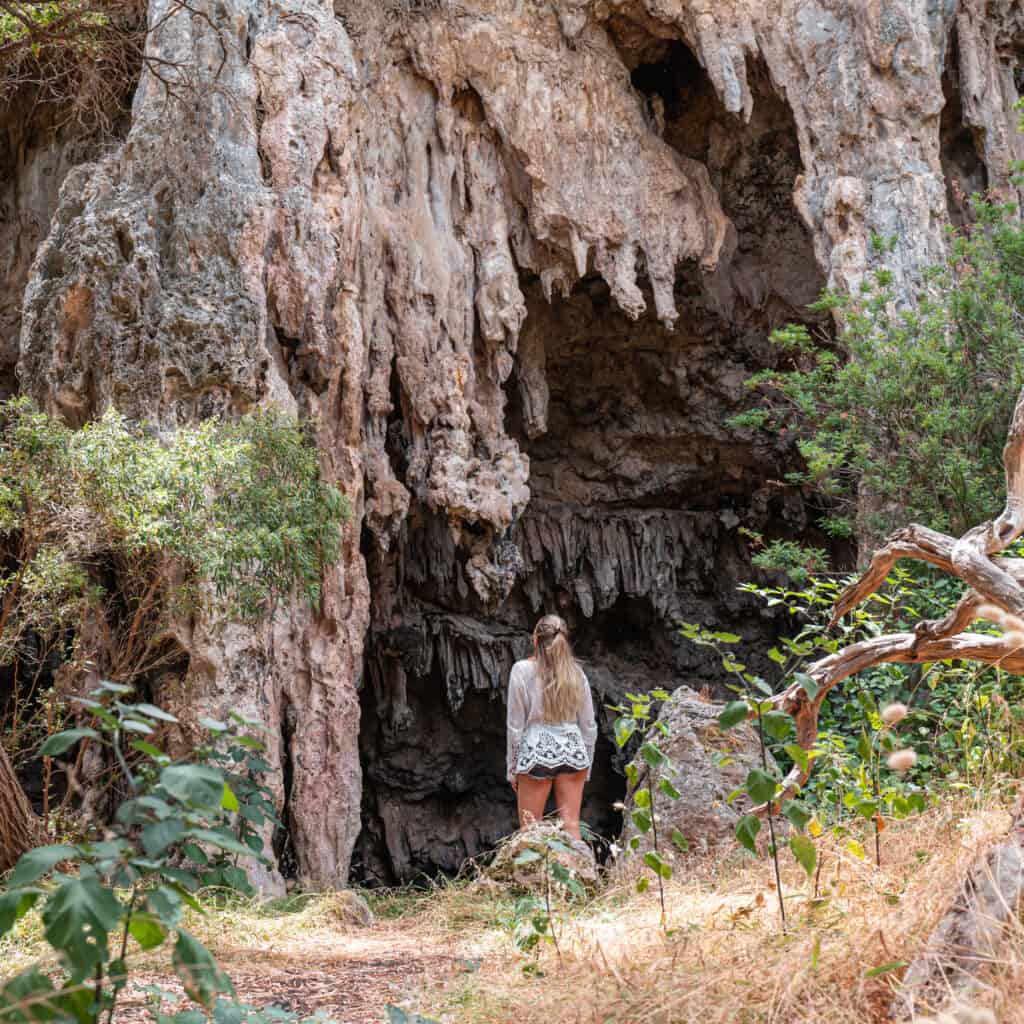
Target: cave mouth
column 639, row 488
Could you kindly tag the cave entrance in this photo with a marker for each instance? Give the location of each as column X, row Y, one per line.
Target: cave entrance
column 639, row 489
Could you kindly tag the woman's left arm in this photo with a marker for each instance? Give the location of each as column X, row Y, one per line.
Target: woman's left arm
column 586, row 721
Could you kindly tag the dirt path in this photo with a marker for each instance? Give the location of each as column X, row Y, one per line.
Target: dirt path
column 349, row 976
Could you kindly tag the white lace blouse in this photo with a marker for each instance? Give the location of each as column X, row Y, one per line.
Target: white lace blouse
column 531, row 740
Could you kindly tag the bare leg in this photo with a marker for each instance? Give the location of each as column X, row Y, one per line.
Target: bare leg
column 532, row 796
column 569, row 797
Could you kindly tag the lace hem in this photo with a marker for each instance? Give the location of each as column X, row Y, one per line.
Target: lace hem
column 551, row 746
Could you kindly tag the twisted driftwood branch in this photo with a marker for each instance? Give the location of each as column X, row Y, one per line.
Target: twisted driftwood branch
column 970, row 934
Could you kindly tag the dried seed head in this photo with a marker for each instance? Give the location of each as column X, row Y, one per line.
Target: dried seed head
column 894, row 713
column 901, row 760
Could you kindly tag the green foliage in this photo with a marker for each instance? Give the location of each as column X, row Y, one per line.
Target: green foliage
column 797, row 561
column 763, row 785
column 239, row 506
column 183, row 825
column 114, row 528
column 639, row 716
column 913, row 405
column 533, row 920
column 33, row 17
column 965, row 721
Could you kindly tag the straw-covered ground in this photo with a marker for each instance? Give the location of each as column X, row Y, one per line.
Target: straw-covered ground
column 450, row 955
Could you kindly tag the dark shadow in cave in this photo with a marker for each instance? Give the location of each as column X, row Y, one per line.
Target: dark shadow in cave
column 962, row 165
column 281, row 841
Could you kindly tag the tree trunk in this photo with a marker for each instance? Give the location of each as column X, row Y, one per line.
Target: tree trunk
column 19, row 827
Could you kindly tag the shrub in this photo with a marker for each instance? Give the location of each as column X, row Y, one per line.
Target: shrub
column 912, row 404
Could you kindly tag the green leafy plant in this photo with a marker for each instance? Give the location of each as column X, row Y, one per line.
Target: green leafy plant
column 774, row 727
column 111, row 536
column 135, row 880
column 533, row 919
column 639, row 718
column 911, row 405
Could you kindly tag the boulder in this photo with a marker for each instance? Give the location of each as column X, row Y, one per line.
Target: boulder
column 515, row 865
column 349, row 908
column 707, row 765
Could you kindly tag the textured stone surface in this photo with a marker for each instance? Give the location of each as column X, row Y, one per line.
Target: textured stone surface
column 708, row 765
column 37, row 151
column 455, row 238
column 550, row 843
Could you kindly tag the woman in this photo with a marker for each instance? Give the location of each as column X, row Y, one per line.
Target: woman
column 551, row 727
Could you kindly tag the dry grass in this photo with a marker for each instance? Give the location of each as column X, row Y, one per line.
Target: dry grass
column 449, row 955
column 726, row 958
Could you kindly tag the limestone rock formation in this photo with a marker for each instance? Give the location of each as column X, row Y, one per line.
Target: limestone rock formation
column 707, row 766
column 512, row 262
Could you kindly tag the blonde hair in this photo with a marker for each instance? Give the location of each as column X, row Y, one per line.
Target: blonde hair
column 560, row 676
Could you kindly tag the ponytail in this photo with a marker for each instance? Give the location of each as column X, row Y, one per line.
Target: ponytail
column 560, row 676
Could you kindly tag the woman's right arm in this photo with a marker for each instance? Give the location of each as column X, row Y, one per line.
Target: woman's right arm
column 516, row 719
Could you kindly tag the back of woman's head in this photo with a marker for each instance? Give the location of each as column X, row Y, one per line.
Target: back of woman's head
column 561, row 680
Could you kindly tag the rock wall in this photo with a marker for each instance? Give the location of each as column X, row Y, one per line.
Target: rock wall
column 512, row 260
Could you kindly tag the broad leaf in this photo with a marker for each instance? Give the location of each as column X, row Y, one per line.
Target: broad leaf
column 799, row 756
column 798, row 813
column 38, row 862
column 669, row 790
column 154, row 712
column 194, row 784
column 137, row 725
column 161, row 834
column 527, row 857
column 777, row 724
column 200, row 976
column 60, row 741
column 653, row 755
column 642, row 820
column 680, row 840
column 77, row 918
column 624, row 728
column 855, row 848
column 807, row 683
column 657, row 864
column 747, row 829
column 146, row 930
column 228, row 800
column 15, row 905
column 150, row 751
column 165, row 905
column 804, row 851
column 642, row 798
column 733, row 713
column 760, row 786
